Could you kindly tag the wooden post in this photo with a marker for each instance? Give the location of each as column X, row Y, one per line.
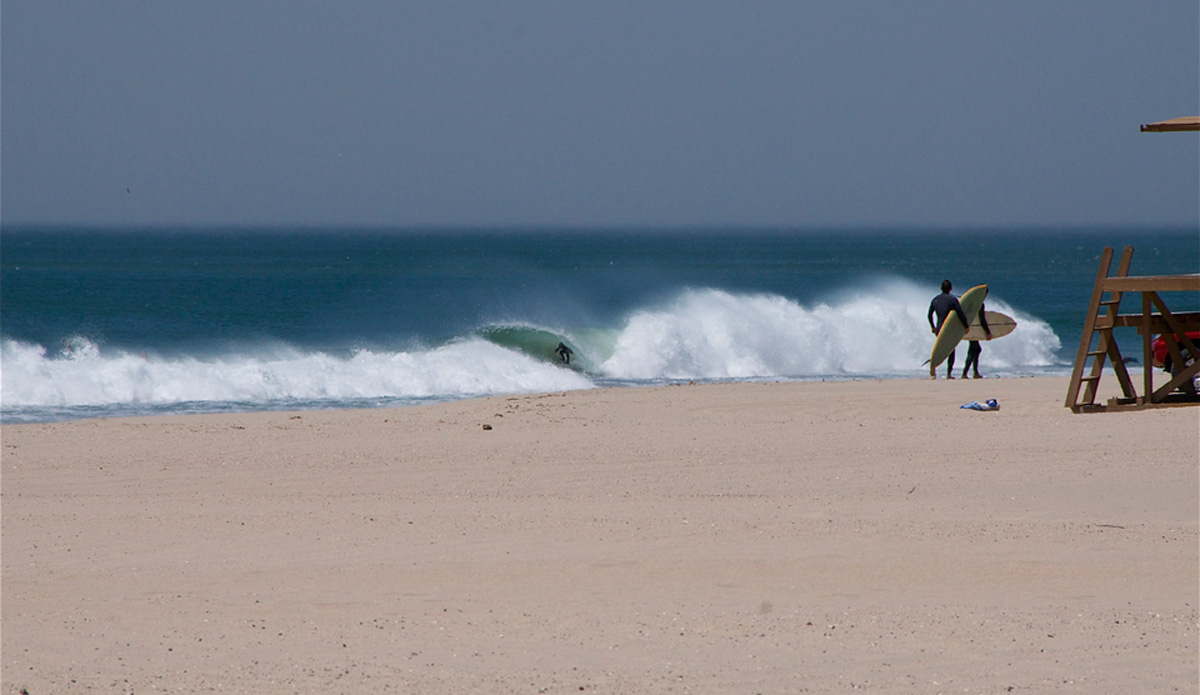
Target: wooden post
column 1089, row 326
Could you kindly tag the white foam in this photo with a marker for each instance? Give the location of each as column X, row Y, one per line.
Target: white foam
column 713, row 334
column 698, row 334
column 87, row 375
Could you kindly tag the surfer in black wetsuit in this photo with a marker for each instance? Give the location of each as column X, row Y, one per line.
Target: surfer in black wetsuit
column 564, row 353
column 942, row 305
column 973, row 348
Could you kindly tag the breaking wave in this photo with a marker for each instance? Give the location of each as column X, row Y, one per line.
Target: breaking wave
column 705, row 334
column 712, row 334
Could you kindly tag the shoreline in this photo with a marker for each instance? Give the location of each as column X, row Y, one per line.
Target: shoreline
column 746, row 536
column 117, row 412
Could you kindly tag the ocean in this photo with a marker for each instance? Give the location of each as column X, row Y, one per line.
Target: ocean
column 108, row 323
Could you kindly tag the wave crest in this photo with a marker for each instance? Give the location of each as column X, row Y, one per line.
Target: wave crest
column 697, row 334
column 714, row 334
column 92, row 377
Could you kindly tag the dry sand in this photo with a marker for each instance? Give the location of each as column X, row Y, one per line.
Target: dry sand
column 746, row 538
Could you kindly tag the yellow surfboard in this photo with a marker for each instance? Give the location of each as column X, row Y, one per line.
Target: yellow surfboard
column 952, row 330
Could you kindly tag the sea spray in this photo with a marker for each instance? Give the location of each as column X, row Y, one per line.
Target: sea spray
column 705, row 334
column 275, row 376
column 714, row 334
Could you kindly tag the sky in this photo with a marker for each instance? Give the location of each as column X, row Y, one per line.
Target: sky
column 561, row 113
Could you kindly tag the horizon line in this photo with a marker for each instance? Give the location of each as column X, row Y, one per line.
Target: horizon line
column 594, row 229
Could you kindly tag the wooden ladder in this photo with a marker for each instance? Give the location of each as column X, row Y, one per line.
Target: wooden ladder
column 1100, row 324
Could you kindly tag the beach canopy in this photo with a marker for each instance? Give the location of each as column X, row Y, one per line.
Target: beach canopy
column 1173, row 125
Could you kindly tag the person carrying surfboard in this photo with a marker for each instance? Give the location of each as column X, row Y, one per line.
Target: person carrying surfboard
column 973, row 349
column 942, row 305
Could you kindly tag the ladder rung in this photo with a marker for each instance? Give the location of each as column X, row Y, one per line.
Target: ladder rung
column 1090, row 377
column 1093, row 353
column 1110, row 302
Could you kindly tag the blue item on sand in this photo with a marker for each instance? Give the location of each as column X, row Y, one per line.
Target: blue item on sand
column 989, row 404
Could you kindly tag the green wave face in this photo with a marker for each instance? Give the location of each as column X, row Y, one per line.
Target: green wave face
column 590, row 346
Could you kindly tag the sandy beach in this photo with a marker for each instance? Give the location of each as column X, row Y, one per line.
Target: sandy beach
column 735, row 538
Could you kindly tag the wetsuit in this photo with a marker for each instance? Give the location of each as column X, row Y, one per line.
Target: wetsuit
column 942, row 305
column 973, row 348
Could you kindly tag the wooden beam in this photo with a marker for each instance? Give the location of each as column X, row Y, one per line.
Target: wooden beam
column 1153, row 283
column 1147, row 349
column 1106, row 346
column 1175, row 125
column 1188, row 320
column 1089, row 332
column 1182, row 377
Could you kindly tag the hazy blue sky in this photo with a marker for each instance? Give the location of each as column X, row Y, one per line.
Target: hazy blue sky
column 544, row 112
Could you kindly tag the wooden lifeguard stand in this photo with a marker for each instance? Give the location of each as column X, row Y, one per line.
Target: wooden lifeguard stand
column 1098, row 343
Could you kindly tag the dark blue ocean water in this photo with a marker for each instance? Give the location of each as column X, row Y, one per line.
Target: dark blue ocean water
column 117, row 322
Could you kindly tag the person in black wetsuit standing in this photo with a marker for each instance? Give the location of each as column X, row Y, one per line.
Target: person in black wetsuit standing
column 973, row 348
column 942, row 305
